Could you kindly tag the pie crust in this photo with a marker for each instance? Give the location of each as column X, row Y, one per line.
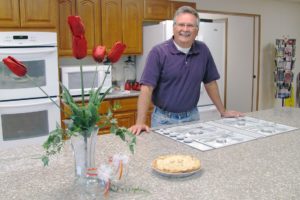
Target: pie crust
column 176, row 163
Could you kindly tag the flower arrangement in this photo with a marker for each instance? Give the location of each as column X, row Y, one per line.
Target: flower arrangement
column 84, row 117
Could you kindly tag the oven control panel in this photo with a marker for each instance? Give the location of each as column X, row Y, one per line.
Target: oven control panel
column 23, row 39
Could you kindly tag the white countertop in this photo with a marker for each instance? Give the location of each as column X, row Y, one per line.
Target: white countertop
column 266, row 168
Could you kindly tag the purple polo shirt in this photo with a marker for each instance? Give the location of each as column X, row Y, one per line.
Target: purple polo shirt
column 176, row 77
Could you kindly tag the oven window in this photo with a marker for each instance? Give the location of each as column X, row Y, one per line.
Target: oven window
column 35, row 69
column 74, row 80
column 25, row 125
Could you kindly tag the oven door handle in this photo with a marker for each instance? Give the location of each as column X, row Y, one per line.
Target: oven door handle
column 21, row 103
column 27, row 51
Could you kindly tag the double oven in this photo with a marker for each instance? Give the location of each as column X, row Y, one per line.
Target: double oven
column 27, row 115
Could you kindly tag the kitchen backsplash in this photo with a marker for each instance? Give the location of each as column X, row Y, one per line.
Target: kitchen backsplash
column 117, row 68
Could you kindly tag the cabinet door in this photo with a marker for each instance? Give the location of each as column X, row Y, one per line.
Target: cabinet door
column 174, row 5
column 111, row 22
column 66, row 8
column 38, row 13
column 9, row 13
column 148, row 119
column 126, row 119
column 89, row 11
column 132, row 26
column 156, row 9
column 127, row 104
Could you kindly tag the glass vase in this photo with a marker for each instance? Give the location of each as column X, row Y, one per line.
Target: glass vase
column 84, row 146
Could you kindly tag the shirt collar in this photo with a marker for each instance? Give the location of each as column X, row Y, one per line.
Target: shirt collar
column 194, row 48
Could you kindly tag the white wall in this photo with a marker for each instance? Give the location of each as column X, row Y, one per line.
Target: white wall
column 278, row 19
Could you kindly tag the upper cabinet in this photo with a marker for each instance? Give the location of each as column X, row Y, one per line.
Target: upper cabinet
column 28, row 14
column 90, row 13
column 108, row 21
column 174, row 5
column 105, row 22
column 122, row 21
column 66, row 8
column 157, row 10
column 132, row 20
column 111, row 22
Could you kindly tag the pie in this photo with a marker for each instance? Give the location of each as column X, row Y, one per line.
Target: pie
column 176, row 164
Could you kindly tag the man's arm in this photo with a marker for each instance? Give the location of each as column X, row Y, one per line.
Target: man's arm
column 212, row 90
column 143, row 106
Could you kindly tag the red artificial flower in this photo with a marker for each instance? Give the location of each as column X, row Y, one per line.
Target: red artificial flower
column 99, row 53
column 116, row 52
column 76, row 26
column 79, row 47
column 15, row 66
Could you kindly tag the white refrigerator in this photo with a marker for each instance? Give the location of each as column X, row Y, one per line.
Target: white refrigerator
column 212, row 34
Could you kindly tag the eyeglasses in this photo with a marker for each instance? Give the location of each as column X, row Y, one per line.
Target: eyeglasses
column 189, row 26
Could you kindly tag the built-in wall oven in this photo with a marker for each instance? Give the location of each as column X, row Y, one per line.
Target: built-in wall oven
column 26, row 113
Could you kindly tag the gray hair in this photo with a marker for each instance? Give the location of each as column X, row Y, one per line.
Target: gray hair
column 186, row 9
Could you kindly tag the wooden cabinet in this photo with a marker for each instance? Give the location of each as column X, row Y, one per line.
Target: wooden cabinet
column 28, row 14
column 125, row 115
column 9, row 13
column 125, row 119
column 111, row 22
column 105, row 21
column 66, row 8
column 90, row 13
column 132, row 21
column 122, row 21
column 174, row 5
column 156, row 9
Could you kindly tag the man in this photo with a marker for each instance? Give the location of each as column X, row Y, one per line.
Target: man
column 173, row 74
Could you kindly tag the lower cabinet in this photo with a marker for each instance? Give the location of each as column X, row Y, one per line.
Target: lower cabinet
column 125, row 115
column 125, row 119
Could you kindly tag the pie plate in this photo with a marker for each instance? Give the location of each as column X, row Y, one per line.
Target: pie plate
column 183, row 162
column 175, row 175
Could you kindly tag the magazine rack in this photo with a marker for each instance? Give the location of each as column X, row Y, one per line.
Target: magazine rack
column 284, row 64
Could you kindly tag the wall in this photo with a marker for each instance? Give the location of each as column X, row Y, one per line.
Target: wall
column 278, row 19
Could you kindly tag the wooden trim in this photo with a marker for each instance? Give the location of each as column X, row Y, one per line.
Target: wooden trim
column 228, row 13
column 258, row 61
column 225, row 70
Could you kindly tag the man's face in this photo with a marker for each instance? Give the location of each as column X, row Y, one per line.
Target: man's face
column 185, row 30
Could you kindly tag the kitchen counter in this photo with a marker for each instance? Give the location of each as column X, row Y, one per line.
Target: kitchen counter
column 266, row 168
column 122, row 94
column 115, row 94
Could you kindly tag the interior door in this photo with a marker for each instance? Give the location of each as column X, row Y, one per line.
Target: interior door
column 240, row 64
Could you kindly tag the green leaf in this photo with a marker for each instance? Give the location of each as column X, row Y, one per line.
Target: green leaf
column 45, row 160
column 66, row 95
column 116, row 106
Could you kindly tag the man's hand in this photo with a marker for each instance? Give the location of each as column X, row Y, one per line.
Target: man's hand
column 232, row 113
column 138, row 128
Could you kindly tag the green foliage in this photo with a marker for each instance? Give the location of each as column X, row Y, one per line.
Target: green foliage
column 83, row 119
column 53, row 144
